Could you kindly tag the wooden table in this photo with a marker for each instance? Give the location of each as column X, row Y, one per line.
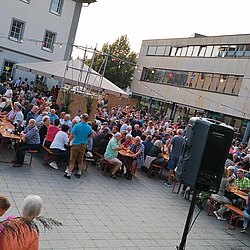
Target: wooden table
column 126, row 156
column 6, row 131
column 239, row 193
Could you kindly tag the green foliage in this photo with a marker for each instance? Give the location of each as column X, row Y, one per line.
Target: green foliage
column 121, row 64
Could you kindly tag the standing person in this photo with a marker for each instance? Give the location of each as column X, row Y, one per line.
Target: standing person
column 79, row 137
column 176, row 144
column 112, row 153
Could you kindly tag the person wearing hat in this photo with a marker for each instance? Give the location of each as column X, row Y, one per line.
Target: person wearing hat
column 79, row 137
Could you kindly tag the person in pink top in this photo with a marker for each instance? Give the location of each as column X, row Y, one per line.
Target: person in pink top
column 52, row 131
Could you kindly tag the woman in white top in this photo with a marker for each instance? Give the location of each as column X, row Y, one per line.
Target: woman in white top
column 59, row 146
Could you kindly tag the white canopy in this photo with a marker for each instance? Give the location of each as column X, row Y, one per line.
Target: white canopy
column 71, row 74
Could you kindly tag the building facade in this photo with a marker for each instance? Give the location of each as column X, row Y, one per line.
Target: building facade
column 200, row 75
column 35, row 30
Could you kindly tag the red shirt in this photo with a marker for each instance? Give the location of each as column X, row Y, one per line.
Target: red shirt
column 52, row 131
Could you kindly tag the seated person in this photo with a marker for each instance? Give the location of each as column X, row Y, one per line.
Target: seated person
column 31, row 139
column 59, row 146
column 156, row 152
column 4, row 205
column 111, row 154
column 19, row 117
column 6, row 109
column 138, row 150
column 101, row 148
column 99, row 137
column 128, row 141
column 52, row 131
column 246, row 215
column 220, row 197
column 44, row 128
column 148, row 144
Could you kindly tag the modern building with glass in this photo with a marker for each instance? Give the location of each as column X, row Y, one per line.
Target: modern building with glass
column 199, row 75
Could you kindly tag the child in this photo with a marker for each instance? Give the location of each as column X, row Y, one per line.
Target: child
column 4, row 205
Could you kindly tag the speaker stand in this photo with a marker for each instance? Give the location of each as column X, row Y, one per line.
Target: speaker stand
column 188, row 222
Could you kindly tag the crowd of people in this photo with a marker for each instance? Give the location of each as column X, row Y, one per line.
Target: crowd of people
column 39, row 120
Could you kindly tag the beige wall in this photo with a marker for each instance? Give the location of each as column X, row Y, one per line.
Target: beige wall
column 238, row 106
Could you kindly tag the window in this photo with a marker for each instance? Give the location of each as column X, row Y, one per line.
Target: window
column 239, row 50
column 231, row 50
column 216, row 51
column 167, row 51
column 16, row 30
column 202, row 51
column 56, row 6
column 160, row 50
column 178, row 52
column 48, row 42
column 209, row 51
column 190, row 50
column 8, row 68
column 247, row 50
column 196, row 51
column 173, row 51
column 184, row 51
column 223, row 50
column 151, row 50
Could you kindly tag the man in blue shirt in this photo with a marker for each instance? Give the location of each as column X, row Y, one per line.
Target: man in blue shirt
column 79, row 137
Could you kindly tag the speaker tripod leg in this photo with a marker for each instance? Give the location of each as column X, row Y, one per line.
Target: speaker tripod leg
column 188, row 223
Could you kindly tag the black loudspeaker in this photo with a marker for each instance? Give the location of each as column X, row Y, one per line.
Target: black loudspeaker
column 203, row 155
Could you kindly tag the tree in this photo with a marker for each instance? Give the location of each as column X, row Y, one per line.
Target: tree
column 121, row 62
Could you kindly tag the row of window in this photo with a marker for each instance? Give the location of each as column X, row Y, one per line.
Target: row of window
column 55, row 6
column 240, row 50
column 227, row 84
column 17, row 31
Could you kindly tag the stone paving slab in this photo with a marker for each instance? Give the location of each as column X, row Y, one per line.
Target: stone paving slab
column 98, row 212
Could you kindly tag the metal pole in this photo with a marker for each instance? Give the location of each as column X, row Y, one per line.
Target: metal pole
column 182, row 245
column 86, row 81
column 102, row 75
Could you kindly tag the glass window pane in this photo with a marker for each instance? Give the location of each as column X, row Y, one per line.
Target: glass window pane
column 167, row 51
column 173, row 51
column 247, row 50
column 178, row 52
column 160, row 50
column 196, row 50
column 202, row 51
column 239, row 50
column 151, row 50
column 184, row 51
column 231, row 50
column 216, row 51
column 223, row 50
column 209, row 51
column 190, row 50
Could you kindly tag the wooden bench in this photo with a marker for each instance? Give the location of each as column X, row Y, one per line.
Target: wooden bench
column 236, row 214
column 49, row 156
column 213, row 202
column 106, row 166
column 155, row 167
column 31, row 152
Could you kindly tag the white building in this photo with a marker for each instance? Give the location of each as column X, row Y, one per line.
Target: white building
column 200, row 75
column 36, row 30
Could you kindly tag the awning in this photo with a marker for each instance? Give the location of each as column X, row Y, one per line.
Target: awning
column 58, row 70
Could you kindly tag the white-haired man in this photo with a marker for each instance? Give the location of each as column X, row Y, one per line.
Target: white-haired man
column 112, row 153
column 31, row 139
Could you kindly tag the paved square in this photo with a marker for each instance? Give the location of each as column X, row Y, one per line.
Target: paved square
column 98, row 212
